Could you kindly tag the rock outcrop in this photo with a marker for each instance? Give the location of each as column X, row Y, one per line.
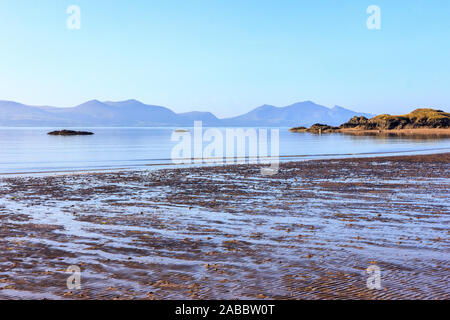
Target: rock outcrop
column 418, row 119
column 70, row 133
column 355, row 122
column 298, row 129
column 316, row 128
column 322, row 128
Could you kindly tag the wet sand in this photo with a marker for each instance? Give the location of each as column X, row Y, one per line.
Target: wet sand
column 308, row 232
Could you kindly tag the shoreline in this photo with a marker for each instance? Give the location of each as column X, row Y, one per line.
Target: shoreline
column 227, row 232
column 283, row 158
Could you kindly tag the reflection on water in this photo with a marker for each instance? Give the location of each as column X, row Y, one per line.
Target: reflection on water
column 31, row 149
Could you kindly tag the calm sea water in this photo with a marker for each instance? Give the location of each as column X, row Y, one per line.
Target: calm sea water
column 32, row 150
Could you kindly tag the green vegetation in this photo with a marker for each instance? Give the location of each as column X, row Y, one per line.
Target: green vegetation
column 416, row 115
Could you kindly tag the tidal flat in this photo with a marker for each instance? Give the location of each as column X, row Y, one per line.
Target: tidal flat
column 227, row 232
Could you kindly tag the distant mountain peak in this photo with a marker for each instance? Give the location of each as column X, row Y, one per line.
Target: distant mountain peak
column 93, row 101
column 131, row 101
column 124, row 102
column 265, row 107
column 307, row 102
column 196, row 112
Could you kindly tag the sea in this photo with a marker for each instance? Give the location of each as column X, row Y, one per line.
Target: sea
column 32, row 150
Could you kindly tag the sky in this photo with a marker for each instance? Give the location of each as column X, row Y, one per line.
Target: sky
column 227, row 56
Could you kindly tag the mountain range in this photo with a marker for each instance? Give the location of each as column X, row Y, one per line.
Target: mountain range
column 133, row 113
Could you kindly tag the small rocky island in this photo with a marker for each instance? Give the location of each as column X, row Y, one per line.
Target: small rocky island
column 418, row 120
column 70, row 133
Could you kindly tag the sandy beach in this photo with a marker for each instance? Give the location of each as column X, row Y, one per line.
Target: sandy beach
column 227, row 232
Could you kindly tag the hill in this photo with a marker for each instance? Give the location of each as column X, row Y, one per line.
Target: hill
column 418, row 119
column 301, row 113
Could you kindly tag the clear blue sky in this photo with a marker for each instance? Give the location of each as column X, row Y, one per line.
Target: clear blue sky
column 227, row 56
